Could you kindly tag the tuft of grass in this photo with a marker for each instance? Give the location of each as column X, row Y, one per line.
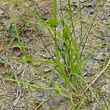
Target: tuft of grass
column 73, row 65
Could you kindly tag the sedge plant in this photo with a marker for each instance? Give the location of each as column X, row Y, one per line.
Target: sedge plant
column 73, row 64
